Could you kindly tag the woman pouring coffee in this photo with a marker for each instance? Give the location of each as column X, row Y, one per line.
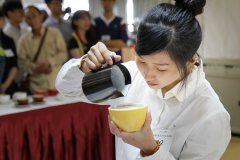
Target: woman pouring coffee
column 186, row 119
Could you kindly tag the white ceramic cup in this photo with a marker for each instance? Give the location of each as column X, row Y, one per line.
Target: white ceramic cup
column 19, row 96
column 4, row 98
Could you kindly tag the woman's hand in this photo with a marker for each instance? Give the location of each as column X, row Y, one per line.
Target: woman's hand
column 142, row 139
column 98, row 56
column 44, row 67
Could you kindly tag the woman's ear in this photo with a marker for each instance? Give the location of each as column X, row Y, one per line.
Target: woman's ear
column 194, row 59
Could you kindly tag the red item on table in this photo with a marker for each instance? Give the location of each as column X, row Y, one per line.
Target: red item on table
column 41, row 92
column 52, row 92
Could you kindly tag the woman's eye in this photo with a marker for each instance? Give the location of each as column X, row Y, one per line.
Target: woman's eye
column 141, row 61
column 161, row 70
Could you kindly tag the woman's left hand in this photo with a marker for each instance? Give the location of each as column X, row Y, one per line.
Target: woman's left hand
column 142, row 139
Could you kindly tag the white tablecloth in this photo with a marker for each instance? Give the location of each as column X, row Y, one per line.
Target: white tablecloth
column 12, row 107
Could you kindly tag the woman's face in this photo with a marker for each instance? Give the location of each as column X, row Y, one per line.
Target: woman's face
column 83, row 23
column 33, row 18
column 158, row 70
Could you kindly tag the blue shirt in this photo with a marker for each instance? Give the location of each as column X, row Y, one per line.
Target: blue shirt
column 115, row 28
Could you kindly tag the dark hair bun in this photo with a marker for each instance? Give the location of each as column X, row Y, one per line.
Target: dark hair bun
column 195, row 6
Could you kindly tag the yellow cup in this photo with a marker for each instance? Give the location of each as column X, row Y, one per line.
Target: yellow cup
column 128, row 117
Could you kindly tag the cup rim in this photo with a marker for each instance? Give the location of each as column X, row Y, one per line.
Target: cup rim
column 138, row 105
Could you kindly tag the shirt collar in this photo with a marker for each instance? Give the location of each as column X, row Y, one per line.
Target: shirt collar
column 55, row 20
column 41, row 33
column 107, row 21
column 9, row 25
column 180, row 91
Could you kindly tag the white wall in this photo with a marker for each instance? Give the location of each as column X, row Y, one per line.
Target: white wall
column 221, row 29
column 27, row 2
column 220, row 23
column 95, row 8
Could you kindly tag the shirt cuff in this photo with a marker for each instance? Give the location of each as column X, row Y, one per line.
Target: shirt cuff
column 68, row 75
column 160, row 154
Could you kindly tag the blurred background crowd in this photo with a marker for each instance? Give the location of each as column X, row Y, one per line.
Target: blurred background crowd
column 35, row 42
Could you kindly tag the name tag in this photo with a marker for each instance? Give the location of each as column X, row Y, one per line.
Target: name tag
column 105, row 37
column 8, row 53
column 165, row 136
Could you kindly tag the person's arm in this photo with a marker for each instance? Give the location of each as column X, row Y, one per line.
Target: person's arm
column 69, row 78
column 115, row 44
column 75, row 53
column 10, row 78
column 24, row 61
column 2, row 67
column 14, row 68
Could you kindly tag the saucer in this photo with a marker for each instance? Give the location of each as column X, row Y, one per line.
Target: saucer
column 33, row 102
column 22, row 103
column 6, row 103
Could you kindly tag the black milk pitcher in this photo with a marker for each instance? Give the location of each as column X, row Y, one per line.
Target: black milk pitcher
column 106, row 83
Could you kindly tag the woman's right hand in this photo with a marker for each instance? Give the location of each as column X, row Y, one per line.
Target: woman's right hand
column 142, row 139
column 97, row 57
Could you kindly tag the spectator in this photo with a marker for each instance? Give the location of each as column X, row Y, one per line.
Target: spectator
column 83, row 36
column 51, row 56
column 1, row 64
column 111, row 29
column 13, row 10
column 8, row 61
column 56, row 19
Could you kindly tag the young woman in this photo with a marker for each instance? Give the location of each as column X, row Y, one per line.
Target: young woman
column 83, row 37
column 186, row 119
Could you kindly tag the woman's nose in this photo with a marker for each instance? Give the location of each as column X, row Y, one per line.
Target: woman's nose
column 149, row 74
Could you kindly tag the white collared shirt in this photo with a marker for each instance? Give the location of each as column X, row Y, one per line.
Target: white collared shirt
column 200, row 122
column 15, row 32
column 108, row 21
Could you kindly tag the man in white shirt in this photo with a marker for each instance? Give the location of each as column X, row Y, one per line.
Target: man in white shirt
column 13, row 10
column 56, row 19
